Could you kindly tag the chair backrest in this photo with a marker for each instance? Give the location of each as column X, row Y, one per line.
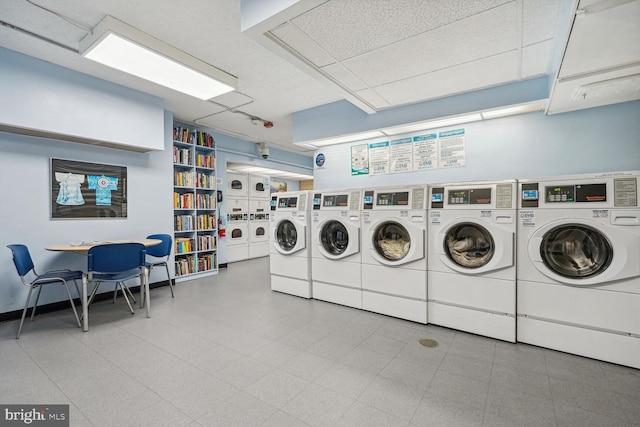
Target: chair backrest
column 21, row 259
column 163, row 249
column 116, row 257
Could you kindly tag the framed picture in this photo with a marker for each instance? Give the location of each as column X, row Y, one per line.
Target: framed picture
column 278, row 186
column 81, row 190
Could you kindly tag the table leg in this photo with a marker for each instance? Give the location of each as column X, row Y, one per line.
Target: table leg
column 145, row 275
column 85, row 305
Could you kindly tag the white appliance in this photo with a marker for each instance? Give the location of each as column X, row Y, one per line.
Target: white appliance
column 259, row 187
column 290, row 252
column 336, row 270
column 394, row 252
column 578, row 287
column 259, row 228
column 237, row 185
column 237, row 229
column 472, row 257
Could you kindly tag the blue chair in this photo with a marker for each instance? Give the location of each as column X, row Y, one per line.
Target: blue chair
column 161, row 255
column 31, row 279
column 116, row 263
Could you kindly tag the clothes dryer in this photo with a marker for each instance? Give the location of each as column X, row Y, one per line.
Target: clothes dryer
column 578, row 287
column 237, row 185
column 237, row 229
column 394, row 252
column 290, row 254
column 336, row 270
column 472, row 257
column 259, row 187
column 258, row 228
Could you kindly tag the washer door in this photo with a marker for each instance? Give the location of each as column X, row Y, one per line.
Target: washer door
column 583, row 253
column 289, row 237
column 338, row 239
column 575, row 251
column 475, row 247
column 396, row 242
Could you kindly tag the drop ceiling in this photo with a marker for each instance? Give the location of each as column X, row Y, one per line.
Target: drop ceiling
column 377, row 54
column 274, row 173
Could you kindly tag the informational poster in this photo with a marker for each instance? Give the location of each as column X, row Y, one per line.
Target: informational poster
column 401, row 155
column 360, row 159
column 452, row 149
column 425, row 152
column 379, row 158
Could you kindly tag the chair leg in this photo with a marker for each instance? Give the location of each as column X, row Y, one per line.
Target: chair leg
column 73, row 306
column 124, row 293
column 24, row 312
column 130, row 293
column 33, row 310
column 170, row 281
column 93, row 293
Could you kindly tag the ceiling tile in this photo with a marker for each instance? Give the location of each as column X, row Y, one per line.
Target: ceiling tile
column 479, row 74
column 349, row 28
column 535, row 59
column 483, row 35
column 301, row 43
column 539, row 20
column 374, row 99
column 343, row 76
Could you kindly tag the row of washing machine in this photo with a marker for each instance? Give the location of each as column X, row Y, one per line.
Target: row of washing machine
column 553, row 262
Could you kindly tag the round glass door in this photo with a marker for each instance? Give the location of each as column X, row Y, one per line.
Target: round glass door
column 469, row 245
column 287, row 235
column 575, row 251
column 334, row 237
column 391, row 240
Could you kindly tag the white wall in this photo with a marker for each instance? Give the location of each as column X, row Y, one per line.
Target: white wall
column 603, row 139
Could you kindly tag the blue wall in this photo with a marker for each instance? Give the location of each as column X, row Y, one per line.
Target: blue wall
column 603, row 139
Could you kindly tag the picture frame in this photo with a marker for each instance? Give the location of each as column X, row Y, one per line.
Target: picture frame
column 83, row 190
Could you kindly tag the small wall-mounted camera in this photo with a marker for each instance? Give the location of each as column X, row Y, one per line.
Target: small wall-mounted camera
column 263, row 150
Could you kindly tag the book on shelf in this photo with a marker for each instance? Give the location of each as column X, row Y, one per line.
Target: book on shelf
column 207, row 242
column 183, row 200
column 183, row 245
column 185, row 264
column 184, row 223
column 207, row 262
column 206, row 221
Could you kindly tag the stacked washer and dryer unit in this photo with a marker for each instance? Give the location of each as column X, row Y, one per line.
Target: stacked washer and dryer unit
column 394, row 252
column 290, row 249
column 579, row 265
column 472, row 257
column 336, row 269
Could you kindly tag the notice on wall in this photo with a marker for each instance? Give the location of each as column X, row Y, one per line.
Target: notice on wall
column 360, row 159
column 401, row 155
column 425, row 152
column 379, row 158
column 452, row 149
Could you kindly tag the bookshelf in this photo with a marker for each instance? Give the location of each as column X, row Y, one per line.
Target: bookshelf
column 194, row 202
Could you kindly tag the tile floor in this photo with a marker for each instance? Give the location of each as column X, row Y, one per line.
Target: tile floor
column 227, row 351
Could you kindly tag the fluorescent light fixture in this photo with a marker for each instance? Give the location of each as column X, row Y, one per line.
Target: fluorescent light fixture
column 513, row 110
column 432, row 124
column 117, row 45
column 343, row 138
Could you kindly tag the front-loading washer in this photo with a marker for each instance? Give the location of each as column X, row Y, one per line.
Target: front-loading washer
column 290, row 251
column 336, row 270
column 472, row 257
column 578, row 280
column 394, row 252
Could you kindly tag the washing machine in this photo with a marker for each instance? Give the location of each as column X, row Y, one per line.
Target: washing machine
column 237, row 185
column 336, row 270
column 290, row 251
column 472, row 257
column 394, row 252
column 578, row 286
column 258, row 228
column 259, row 187
column 237, row 229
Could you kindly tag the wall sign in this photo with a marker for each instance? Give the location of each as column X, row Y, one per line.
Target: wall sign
column 360, row 159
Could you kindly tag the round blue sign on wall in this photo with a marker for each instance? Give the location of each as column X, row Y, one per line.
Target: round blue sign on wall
column 320, row 158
